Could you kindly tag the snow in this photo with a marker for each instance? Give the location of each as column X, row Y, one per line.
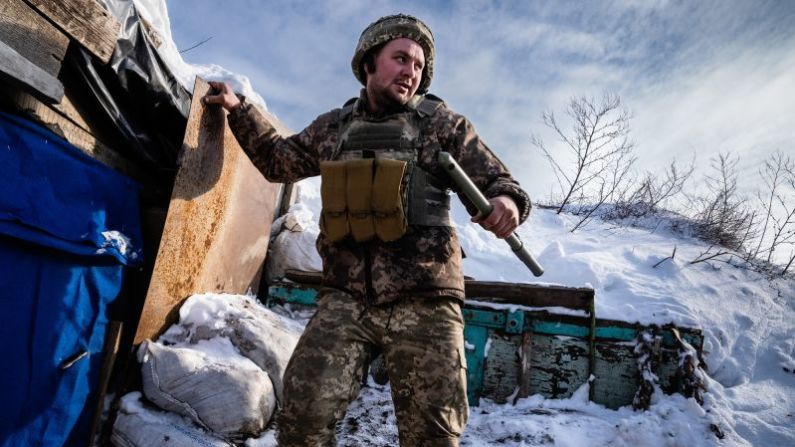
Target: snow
column 748, row 322
column 119, row 242
column 156, row 13
column 747, row 319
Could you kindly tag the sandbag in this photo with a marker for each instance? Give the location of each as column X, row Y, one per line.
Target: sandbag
column 138, row 426
column 258, row 333
column 229, row 395
column 293, row 244
column 265, row 338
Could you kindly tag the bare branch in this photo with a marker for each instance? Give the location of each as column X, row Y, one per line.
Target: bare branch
column 722, row 217
column 665, row 259
column 775, row 174
column 597, row 142
column 708, row 255
column 789, row 264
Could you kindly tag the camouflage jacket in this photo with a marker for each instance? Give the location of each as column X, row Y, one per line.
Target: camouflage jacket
column 424, row 262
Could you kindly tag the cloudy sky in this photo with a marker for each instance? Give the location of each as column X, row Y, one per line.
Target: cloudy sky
column 699, row 76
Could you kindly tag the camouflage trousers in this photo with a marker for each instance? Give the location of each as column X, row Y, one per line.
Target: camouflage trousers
column 422, row 341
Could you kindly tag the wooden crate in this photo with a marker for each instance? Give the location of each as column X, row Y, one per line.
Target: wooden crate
column 524, row 339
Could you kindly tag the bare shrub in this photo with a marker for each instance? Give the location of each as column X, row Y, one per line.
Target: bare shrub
column 722, row 217
column 777, row 203
column 652, row 191
column 599, row 153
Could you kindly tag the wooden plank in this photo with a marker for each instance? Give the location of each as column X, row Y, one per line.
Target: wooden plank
column 218, row 223
column 57, row 121
column 666, row 370
column 109, row 353
column 308, row 278
column 625, row 331
column 32, row 36
column 558, row 365
column 289, row 196
column 501, row 366
column 525, row 365
column 85, row 21
column 20, row 71
column 616, row 372
column 532, row 295
column 475, row 338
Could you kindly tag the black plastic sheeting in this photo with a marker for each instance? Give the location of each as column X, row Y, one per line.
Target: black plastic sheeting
column 141, row 98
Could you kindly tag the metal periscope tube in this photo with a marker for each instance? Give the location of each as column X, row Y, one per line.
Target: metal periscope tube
column 482, row 204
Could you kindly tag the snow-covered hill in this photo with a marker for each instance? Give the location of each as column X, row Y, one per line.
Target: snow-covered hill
column 748, row 322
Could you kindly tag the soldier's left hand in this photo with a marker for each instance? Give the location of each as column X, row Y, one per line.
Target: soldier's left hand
column 503, row 219
column 221, row 93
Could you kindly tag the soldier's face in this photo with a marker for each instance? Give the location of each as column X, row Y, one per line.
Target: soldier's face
column 397, row 74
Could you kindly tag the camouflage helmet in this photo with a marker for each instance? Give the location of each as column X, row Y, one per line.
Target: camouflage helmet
column 393, row 27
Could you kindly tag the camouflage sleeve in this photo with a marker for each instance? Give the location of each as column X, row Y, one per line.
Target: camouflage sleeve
column 280, row 159
column 458, row 137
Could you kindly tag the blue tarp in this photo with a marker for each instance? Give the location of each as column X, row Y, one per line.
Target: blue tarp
column 68, row 226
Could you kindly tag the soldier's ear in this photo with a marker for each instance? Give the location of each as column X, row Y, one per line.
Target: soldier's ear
column 368, row 61
column 369, row 64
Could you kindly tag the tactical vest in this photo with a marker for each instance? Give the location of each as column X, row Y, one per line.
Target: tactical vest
column 425, row 199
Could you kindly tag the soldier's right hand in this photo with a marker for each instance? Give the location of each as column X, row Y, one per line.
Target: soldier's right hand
column 221, row 93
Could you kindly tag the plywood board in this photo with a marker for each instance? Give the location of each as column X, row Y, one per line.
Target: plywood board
column 32, row 36
column 218, row 223
column 502, row 366
column 558, row 365
column 85, row 21
column 617, row 376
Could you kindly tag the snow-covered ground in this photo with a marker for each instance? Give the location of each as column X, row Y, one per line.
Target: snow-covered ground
column 748, row 322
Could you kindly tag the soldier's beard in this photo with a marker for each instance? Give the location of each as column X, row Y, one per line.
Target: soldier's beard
column 383, row 99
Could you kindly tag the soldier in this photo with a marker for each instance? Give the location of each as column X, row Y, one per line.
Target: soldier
column 391, row 260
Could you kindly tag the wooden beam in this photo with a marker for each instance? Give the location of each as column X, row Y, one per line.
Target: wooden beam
column 85, row 21
column 67, row 123
column 288, row 198
column 525, row 356
column 32, row 36
column 16, row 69
column 218, row 223
column 109, row 353
column 532, row 295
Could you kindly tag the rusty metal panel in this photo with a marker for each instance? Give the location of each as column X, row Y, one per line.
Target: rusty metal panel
column 558, row 365
column 218, row 223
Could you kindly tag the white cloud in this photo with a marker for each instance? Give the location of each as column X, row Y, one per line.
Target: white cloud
column 708, row 75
